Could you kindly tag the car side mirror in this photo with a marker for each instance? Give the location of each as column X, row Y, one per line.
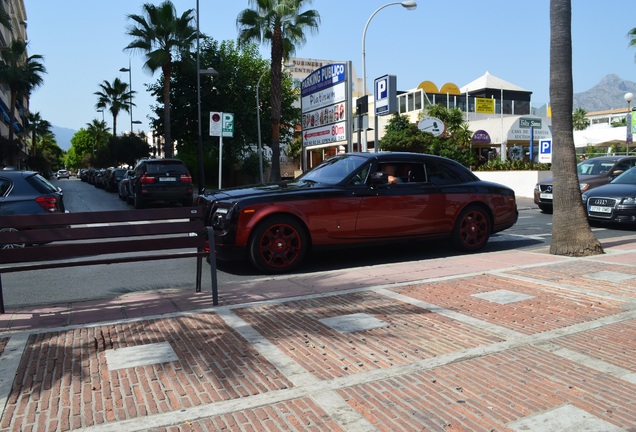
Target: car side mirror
column 617, row 173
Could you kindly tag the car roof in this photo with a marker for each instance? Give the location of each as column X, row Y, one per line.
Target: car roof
column 609, row 158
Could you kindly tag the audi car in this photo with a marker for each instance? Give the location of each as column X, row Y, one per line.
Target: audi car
column 614, row 202
column 592, row 173
column 348, row 200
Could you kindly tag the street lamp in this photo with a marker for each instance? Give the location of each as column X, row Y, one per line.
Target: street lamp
column 408, row 5
column 101, row 111
column 258, row 122
column 629, row 97
column 129, row 70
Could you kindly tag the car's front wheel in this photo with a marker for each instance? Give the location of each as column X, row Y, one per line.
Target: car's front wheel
column 472, row 229
column 278, row 245
column 545, row 208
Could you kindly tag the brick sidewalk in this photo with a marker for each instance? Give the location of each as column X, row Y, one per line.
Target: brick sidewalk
column 466, row 343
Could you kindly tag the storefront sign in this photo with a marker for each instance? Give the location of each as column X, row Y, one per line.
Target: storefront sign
column 484, row 106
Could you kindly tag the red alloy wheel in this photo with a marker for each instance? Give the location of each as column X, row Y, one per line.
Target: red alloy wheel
column 278, row 245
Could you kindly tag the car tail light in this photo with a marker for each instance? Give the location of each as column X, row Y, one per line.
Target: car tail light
column 186, row 178
column 146, row 179
column 47, row 203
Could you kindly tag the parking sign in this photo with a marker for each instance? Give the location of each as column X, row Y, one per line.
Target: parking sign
column 385, row 95
column 545, row 151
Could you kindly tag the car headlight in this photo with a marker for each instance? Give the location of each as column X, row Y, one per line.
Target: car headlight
column 584, row 186
column 584, row 198
column 219, row 217
column 629, row 201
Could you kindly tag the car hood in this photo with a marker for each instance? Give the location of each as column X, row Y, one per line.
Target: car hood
column 582, row 178
column 275, row 190
column 613, row 190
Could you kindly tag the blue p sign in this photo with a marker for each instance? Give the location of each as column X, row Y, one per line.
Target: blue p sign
column 381, row 89
column 385, row 97
column 545, row 151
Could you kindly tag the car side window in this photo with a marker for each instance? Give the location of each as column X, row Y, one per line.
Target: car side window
column 4, row 186
column 440, row 173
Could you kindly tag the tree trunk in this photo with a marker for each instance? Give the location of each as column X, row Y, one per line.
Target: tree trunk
column 167, row 145
column 571, row 233
column 275, row 99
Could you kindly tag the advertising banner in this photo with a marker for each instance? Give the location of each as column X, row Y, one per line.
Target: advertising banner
column 325, row 106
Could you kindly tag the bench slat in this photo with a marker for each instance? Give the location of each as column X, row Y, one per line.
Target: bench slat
column 37, row 236
column 60, row 219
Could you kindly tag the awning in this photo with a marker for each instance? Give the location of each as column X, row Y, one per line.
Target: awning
column 600, row 137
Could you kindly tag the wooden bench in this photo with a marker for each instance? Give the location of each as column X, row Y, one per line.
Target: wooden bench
column 58, row 240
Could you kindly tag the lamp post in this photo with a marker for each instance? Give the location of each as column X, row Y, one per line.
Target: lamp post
column 629, row 97
column 408, row 5
column 208, row 72
column 101, row 111
column 129, row 70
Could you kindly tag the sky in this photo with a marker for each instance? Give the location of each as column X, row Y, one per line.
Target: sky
column 83, row 41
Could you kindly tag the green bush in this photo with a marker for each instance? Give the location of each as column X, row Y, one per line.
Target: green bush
column 512, row 165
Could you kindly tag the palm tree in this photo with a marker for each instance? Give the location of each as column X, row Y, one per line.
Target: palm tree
column 159, row 34
column 38, row 128
column 632, row 39
column 571, row 233
column 114, row 97
column 98, row 130
column 21, row 73
column 281, row 24
column 579, row 120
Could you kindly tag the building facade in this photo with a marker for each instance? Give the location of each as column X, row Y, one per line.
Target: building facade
column 11, row 155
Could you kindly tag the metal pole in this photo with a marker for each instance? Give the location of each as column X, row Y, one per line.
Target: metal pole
column 258, row 125
column 200, row 137
column 131, row 94
column 409, row 5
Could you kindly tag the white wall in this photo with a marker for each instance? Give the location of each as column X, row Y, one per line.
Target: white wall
column 522, row 182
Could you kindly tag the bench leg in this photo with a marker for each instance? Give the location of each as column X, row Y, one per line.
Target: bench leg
column 1, row 296
column 215, row 286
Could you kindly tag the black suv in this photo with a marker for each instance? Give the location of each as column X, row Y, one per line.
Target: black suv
column 161, row 180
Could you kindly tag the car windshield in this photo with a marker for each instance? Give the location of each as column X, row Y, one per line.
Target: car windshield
column 335, row 169
column 628, row 177
column 594, row 167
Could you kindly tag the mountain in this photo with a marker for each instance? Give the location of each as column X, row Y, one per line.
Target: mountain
column 63, row 136
column 607, row 94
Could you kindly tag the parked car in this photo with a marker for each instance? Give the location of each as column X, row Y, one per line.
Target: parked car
column 124, row 186
column 592, row 173
column 60, row 174
column 27, row 192
column 614, row 202
column 112, row 178
column 347, row 200
column 98, row 178
column 161, row 180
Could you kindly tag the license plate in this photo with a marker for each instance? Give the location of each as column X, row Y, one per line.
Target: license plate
column 164, row 179
column 599, row 209
column 546, row 196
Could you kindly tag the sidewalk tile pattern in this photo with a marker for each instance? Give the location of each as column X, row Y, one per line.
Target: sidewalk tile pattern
column 444, row 354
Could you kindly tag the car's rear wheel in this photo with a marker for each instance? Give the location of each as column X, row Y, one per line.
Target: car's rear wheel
column 278, row 245
column 11, row 245
column 472, row 229
column 138, row 201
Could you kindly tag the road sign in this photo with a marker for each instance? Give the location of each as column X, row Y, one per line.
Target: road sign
column 215, row 124
column 545, row 151
column 385, row 95
column 227, row 128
